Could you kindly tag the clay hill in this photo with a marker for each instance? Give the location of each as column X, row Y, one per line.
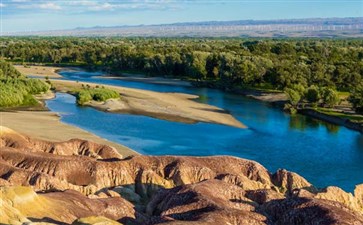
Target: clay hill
column 79, row 182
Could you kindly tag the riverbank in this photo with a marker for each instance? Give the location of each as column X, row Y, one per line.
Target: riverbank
column 168, row 106
column 333, row 119
column 279, row 99
column 34, row 124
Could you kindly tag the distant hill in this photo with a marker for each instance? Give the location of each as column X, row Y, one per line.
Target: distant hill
column 316, row 27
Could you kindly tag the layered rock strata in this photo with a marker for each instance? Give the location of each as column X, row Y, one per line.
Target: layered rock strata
column 79, row 182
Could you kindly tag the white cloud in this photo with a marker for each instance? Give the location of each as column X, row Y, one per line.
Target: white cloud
column 49, row 5
column 82, row 3
column 19, row 1
column 41, row 5
column 2, row 5
column 110, row 5
column 84, row 6
column 103, row 7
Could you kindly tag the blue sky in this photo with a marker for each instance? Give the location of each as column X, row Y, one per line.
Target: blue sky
column 33, row 15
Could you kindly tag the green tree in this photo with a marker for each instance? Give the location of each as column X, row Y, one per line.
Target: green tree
column 356, row 98
column 330, row 97
column 312, row 94
column 198, row 61
column 293, row 96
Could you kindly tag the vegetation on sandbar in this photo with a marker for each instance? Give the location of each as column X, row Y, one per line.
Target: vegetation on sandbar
column 99, row 94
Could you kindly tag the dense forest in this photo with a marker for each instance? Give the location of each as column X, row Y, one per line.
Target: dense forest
column 307, row 69
column 17, row 90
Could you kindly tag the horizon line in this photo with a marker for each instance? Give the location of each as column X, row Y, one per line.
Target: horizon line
column 180, row 23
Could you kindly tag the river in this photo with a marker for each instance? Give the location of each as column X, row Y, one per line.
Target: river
column 324, row 154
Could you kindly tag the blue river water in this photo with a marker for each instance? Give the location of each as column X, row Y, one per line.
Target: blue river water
column 324, row 154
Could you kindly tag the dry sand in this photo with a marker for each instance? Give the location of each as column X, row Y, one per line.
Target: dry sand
column 40, row 71
column 46, row 126
column 169, row 106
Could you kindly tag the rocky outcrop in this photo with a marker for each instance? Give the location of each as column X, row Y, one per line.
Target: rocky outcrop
column 289, row 181
column 9, row 138
column 358, row 193
column 22, row 204
column 210, row 200
column 295, row 210
column 338, row 195
column 97, row 186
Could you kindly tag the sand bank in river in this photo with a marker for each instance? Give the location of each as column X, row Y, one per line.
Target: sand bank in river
column 47, row 126
column 170, row 106
column 40, row 71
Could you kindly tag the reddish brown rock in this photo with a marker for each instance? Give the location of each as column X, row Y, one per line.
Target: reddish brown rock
column 263, row 195
column 207, row 202
column 338, row 195
column 309, row 211
column 78, row 179
column 22, row 204
column 288, row 181
column 9, row 138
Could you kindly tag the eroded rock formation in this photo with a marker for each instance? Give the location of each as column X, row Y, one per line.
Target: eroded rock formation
column 81, row 182
column 9, row 138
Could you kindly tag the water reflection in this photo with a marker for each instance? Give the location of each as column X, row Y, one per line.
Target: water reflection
column 302, row 123
column 203, row 99
column 332, row 128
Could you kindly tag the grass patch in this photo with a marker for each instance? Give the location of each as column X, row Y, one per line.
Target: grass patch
column 343, row 94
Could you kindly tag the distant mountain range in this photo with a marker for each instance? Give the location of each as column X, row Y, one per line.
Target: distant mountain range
column 316, row 27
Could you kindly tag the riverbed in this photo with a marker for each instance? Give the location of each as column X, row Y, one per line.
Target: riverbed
column 323, row 153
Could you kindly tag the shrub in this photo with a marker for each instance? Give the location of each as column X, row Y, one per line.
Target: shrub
column 29, row 100
column 299, row 88
column 294, row 96
column 17, row 90
column 96, row 94
column 312, row 94
column 83, row 96
column 7, row 70
column 289, row 108
column 10, row 96
column 330, row 97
